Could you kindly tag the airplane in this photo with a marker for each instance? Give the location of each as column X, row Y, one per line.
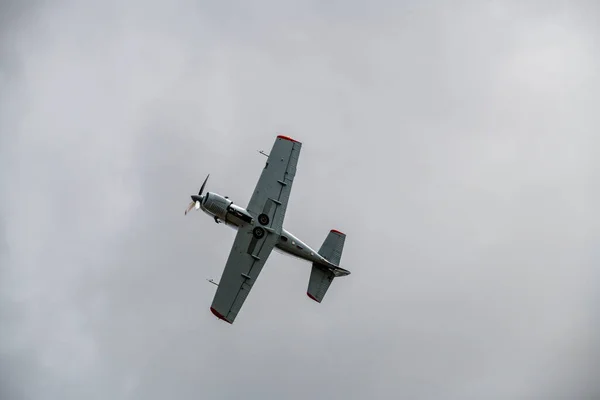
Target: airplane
column 260, row 230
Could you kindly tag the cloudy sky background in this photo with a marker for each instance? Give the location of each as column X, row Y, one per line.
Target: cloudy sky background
column 454, row 143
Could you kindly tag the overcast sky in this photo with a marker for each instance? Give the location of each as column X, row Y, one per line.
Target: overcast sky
column 455, row 143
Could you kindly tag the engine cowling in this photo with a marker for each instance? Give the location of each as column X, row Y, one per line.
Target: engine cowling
column 216, row 205
column 238, row 216
column 225, row 210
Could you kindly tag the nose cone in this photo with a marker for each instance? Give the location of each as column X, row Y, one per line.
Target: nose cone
column 195, row 197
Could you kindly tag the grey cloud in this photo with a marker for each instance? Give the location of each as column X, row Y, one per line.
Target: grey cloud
column 452, row 144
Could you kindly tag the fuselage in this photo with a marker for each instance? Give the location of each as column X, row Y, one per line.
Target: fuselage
column 225, row 211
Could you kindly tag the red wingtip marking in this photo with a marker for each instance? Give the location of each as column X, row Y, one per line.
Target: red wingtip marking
column 312, row 297
column 218, row 314
column 288, row 138
column 336, row 231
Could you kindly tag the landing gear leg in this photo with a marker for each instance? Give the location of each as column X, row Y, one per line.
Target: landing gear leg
column 217, row 220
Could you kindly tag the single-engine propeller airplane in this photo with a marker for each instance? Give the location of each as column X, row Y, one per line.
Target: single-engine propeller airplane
column 260, row 230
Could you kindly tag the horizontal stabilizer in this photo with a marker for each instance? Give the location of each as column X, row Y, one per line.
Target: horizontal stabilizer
column 321, row 276
column 333, row 246
column 320, row 280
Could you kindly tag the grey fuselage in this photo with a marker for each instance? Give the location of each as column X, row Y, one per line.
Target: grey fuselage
column 225, row 211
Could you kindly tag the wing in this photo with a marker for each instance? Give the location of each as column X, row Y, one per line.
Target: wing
column 273, row 189
column 246, row 259
column 249, row 253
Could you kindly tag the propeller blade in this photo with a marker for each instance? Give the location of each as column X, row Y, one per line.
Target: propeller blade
column 190, row 207
column 202, row 187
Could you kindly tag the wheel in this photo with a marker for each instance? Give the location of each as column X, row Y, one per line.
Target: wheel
column 258, row 232
column 263, row 219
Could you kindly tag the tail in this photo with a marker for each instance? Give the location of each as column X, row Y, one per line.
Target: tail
column 321, row 276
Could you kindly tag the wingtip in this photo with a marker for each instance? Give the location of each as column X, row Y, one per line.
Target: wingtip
column 287, row 138
column 219, row 315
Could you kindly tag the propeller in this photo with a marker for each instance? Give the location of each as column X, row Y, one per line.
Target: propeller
column 197, row 198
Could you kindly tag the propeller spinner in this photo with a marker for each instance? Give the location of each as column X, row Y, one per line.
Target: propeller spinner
column 197, row 198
